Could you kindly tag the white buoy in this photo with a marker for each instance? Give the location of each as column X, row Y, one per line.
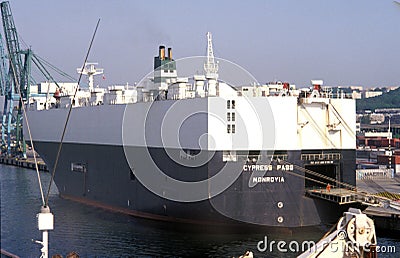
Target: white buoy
column 45, row 223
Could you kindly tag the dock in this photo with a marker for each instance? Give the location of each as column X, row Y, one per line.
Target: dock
column 388, row 216
column 25, row 163
column 336, row 195
column 380, row 195
column 385, row 219
column 345, row 196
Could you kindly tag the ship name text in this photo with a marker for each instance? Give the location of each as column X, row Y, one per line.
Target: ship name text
column 268, row 179
column 249, row 168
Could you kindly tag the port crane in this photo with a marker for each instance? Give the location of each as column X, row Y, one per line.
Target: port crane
column 15, row 86
column 15, row 81
column 3, row 70
column 3, row 87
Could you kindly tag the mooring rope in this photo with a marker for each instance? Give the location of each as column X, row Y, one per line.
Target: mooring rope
column 68, row 116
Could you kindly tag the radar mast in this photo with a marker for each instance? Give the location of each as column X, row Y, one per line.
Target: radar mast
column 210, row 67
column 90, row 70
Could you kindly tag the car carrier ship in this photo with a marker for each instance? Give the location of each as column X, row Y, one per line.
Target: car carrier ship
column 198, row 149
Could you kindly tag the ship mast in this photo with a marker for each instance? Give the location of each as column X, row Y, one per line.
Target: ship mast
column 210, row 67
column 90, row 70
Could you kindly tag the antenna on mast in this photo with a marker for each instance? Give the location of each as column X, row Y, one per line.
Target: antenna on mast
column 210, row 67
column 90, row 70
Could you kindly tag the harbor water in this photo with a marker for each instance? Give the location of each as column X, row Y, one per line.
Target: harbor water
column 94, row 232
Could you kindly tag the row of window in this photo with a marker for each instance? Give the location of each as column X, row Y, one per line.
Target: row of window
column 231, row 116
column 230, row 128
column 230, row 104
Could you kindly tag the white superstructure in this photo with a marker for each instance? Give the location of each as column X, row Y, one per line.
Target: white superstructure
column 274, row 116
column 248, row 117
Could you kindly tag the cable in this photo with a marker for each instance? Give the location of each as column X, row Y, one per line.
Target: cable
column 55, row 68
column 42, row 69
column 315, row 125
column 69, row 114
column 352, row 187
column 346, row 126
column 29, row 131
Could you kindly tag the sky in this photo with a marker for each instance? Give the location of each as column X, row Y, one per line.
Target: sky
column 343, row 42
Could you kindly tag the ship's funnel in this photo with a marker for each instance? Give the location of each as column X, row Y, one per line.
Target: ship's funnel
column 170, row 53
column 162, row 53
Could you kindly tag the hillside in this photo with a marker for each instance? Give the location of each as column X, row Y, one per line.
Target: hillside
column 390, row 99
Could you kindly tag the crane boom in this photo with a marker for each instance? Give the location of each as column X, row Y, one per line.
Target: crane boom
column 3, row 69
column 17, row 88
column 16, row 68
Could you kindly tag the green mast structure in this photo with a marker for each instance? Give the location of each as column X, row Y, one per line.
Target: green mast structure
column 17, row 87
column 3, row 88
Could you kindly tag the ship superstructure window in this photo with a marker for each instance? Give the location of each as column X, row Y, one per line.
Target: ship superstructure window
column 229, row 155
column 253, row 156
column 230, row 104
column 230, row 116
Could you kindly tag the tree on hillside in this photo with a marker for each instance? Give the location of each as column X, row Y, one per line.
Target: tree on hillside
column 389, row 99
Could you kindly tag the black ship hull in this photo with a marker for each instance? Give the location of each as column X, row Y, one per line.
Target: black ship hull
column 100, row 175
